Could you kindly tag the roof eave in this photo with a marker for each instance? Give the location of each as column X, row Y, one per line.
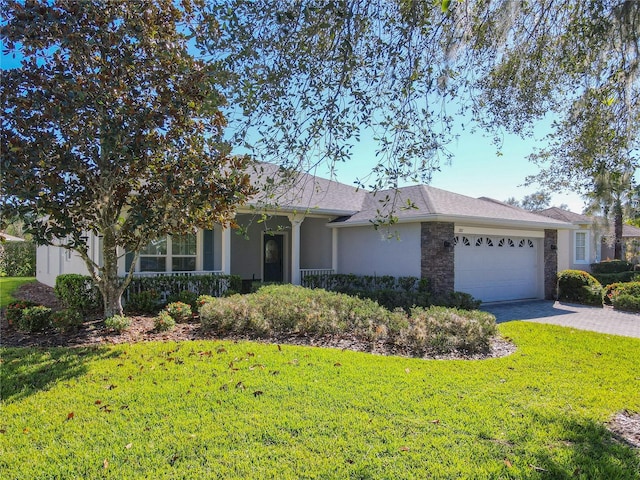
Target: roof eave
column 469, row 219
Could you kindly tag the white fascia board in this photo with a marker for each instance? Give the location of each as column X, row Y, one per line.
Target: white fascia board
column 470, row 220
column 307, row 212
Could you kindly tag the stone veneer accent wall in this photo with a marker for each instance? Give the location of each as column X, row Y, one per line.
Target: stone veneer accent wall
column 437, row 262
column 550, row 264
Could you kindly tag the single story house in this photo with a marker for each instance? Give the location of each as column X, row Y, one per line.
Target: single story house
column 591, row 241
column 491, row 250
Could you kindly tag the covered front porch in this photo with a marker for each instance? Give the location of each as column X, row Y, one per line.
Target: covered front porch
column 277, row 248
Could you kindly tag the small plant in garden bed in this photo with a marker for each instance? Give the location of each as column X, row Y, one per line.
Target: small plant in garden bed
column 185, row 296
column 179, row 311
column 164, row 322
column 67, row 320
column 14, row 310
column 34, row 319
column 118, row 323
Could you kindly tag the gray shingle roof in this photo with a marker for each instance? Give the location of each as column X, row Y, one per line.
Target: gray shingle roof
column 630, row 231
column 292, row 190
column 423, row 202
column 565, row 215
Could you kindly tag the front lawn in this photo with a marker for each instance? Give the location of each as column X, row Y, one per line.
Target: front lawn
column 224, row 409
column 8, row 285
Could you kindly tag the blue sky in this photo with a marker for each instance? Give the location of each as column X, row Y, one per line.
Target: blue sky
column 476, row 169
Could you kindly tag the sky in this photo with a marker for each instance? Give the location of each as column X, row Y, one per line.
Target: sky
column 476, row 169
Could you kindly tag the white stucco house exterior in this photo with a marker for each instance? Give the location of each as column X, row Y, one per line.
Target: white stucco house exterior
column 494, row 251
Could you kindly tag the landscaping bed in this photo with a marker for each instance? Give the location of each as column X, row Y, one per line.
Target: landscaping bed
column 93, row 332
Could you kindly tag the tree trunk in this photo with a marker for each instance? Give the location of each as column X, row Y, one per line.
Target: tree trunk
column 617, row 253
column 109, row 285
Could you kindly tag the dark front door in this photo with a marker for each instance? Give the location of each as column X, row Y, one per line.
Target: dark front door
column 273, row 258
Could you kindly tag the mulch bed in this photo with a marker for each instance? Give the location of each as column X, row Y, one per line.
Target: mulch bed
column 624, row 425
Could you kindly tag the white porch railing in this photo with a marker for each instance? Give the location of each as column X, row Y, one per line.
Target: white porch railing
column 186, row 274
column 315, row 272
column 180, row 281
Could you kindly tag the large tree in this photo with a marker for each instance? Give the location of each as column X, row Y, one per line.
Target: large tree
column 312, row 77
column 111, row 126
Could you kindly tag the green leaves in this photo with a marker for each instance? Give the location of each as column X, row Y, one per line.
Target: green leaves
column 114, row 128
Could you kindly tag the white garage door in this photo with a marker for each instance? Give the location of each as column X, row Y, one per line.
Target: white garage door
column 495, row 268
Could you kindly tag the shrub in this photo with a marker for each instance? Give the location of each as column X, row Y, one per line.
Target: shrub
column 147, row 301
column 67, row 320
column 179, row 311
column 390, row 292
column 185, row 296
column 164, row 322
column 297, row 310
column 18, row 259
column 607, row 278
column 170, row 285
column 14, row 310
column 202, row 300
column 459, row 300
column 34, row 319
column 607, row 292
column 611, row 266
column 78, row 292
column 442, row 330
column 118, row 323
column 624, row 301
column 579, row 287
column 624, row 296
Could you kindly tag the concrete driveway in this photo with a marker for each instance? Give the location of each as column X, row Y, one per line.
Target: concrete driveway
column 603, row 320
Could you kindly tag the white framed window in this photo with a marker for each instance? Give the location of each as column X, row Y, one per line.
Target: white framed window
column 173, row 253
column 581, row 246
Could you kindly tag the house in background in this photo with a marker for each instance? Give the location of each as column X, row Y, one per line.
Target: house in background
column 577, row 248
column 491, row 250
column 591, row 241
column 630, row 244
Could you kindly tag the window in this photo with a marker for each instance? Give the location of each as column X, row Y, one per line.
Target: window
column 175, row 253
column 581, row 252
column 183, row 253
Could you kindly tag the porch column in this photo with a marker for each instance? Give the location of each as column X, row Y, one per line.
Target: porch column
column 225, row 247
column 296, row 220
column 334, row 250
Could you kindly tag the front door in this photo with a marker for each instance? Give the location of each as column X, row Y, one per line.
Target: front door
column 273, row 258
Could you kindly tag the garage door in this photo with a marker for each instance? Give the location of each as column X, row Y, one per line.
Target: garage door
column 495, row 268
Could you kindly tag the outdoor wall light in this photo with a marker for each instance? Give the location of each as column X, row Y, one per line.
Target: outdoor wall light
column 554, row 247
column 447, row 244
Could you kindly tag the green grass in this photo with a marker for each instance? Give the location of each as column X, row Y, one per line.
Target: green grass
column 242, row 410
column 8, row 285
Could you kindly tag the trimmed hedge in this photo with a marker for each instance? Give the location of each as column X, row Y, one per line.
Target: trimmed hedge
column 578, row 286
column 611, row 266
column 390, row 292
column 607, row 278
column 172, row 286
column 78, row 292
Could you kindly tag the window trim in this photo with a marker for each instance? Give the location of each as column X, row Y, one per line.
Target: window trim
column 169, row 256
column 585, row 260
